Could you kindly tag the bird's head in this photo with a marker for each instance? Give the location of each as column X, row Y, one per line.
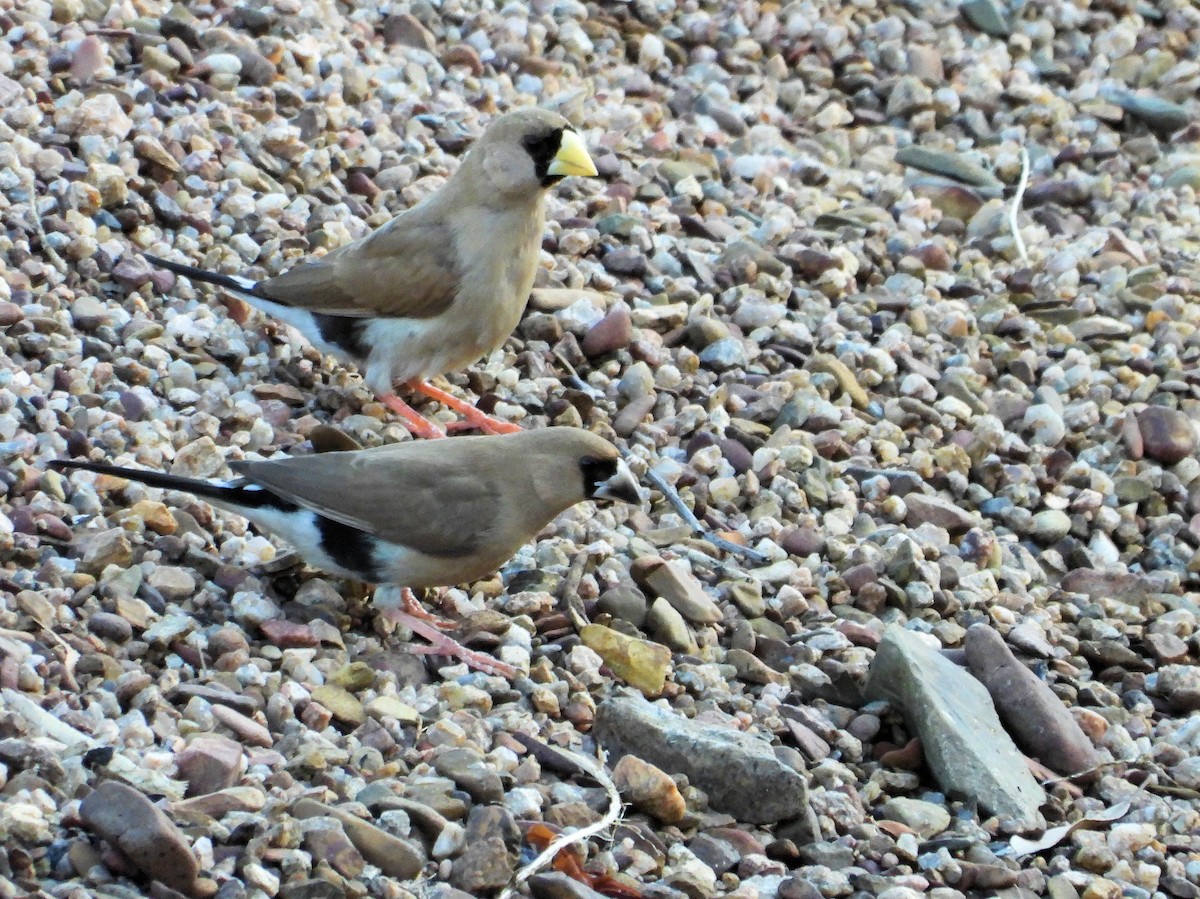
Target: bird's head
column 528, row 150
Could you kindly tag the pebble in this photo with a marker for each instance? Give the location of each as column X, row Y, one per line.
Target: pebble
column 394, row 856
column 1167, row 434
column 1037, row 718
column 129, row 821
column 679, row 588
column 613, row 332
column 649, row 789
column 209, row 764
column 640, row 663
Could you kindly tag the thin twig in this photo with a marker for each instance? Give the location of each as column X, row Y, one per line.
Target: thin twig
column 570, row 591
column 36, row 221
column 1016, row 208
column 695, row 524
column 1095, row 769
column 546, row 856
column 573, row 379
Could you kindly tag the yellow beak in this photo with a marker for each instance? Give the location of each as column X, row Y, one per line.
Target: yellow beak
column 572, row 157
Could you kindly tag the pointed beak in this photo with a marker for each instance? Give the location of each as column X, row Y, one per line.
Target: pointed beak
column 622, row 487
column 572, row 158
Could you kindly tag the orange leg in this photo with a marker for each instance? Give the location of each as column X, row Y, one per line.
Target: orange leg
column 412, row 606
column 441, row 644
column 418, row 425
column 474, row 418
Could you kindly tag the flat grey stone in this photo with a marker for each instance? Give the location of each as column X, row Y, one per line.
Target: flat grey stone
column 738, row 771
column 965, row 745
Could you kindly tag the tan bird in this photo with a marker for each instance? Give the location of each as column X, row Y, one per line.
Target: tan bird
column 441, row 284
column 414, row 514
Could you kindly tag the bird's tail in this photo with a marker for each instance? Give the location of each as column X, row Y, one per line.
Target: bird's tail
column 229, row 282
column 215, row 490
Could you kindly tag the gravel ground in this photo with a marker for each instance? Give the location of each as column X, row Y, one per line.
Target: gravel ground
column 967, row 479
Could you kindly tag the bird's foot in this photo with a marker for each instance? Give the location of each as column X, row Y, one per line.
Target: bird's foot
column 412, row 606
column 418, row 425
column 484, row 423
column 444, row 645
column 473, row 418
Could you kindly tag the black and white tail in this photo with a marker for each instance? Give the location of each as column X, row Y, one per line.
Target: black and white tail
column 236, row 283
column 232, row 493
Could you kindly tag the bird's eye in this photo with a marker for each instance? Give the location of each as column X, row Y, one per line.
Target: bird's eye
column 542, row 148
column 596, row 472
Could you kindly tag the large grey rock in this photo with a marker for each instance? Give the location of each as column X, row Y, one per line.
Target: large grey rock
column 739, row 772
column 965, row 745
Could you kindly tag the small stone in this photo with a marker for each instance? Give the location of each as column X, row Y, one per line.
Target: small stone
column 909, row 95
column 209, row 764
column 463, row 55
column 625, row 261
column 10, row 314
column 924, row 818
column 626, row 603
column 129, row 821
column 326, row 840
column 391, row 707
column 802, row 542
column 1167, row 434
column 100, row 114
column 113, row 184
column 406, row 29
column 160, row 61
column 640, row 663
column 471, row 772
column 1179, row 685
column 1050, row 526
column 288, row 634
column 669, row 627
column 988, row 16
column 556, row 885
column 923, row 509
column 949, row 164
column 106, row 548
column 344, row 706
column 724, row 354
column 1154, row 111
column 488, row 862
column 1167, row 648
column 217, row 805
column 175, row 584
column 718, row 854
column 355, row 677
column 752, row 669
column 110, row 627
column 394, row 856
column 613, row 332
column 679, row 587
column 649, row 789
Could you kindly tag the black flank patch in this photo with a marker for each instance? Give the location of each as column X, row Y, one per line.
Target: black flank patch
column 346, row 333
column 350, row 548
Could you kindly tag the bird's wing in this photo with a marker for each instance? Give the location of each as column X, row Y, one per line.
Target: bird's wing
column 422, row 500
column 406, row 269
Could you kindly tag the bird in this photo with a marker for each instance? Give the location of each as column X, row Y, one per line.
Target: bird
column 413, row 514
column 440, row 285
